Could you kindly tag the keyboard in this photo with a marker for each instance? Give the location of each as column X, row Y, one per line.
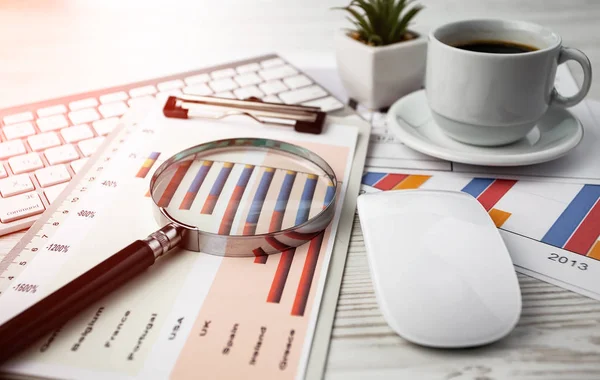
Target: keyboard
column 43, row 145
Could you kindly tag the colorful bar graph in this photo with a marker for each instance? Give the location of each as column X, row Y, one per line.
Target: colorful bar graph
column 147, row 165
column 285, row 260
column 594, row 253
column 234, row 201
column 572, row 216
column 258, row 202
column 282, row 200
column 371, row 178
column 190, row 195
column 412, row 182
column 499, row 216
column 587, row 233
column 180, row 172
column 477, row 186
column 494, row 192
column 215, row 191
column 383, row 181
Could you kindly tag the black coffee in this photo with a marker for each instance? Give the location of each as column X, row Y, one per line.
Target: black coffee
column 496, row 47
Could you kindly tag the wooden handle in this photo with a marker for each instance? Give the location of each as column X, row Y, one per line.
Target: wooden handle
column 57, row 308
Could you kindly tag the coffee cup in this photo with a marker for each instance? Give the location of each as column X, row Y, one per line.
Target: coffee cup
column 488, row 82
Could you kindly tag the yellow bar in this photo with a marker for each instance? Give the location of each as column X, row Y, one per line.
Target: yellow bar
column 499, row 216
column 594, row 253
column 148, row 163
column 412, row 182
column 228, row 164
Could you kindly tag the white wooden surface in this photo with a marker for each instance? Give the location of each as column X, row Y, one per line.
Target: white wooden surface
column 53, row 48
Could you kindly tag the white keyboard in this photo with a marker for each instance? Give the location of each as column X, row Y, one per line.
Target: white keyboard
column 43, row 145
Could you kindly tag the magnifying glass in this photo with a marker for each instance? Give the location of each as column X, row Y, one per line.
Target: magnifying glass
column 236, row 197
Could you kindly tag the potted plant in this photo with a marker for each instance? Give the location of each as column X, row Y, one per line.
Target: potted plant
column 380, row 60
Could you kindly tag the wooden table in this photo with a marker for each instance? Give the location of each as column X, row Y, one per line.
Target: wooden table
column 48, row 49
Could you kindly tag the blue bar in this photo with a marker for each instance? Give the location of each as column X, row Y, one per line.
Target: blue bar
column 306, row 200
column 371, row 178
column 259, row 196
column 284, row 193
column 329, row 195
column 573, row 215
column 221, row 179
column 200, row 176
column 477, row 186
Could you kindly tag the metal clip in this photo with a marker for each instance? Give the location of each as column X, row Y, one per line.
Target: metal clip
column 303, row 118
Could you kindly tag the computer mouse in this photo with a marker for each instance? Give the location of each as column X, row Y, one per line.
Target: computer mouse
column 442, row 274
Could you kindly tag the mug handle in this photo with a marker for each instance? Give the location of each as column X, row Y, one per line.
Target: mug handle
column 576, row 55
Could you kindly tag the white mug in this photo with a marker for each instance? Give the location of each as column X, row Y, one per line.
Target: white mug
column 495, row 99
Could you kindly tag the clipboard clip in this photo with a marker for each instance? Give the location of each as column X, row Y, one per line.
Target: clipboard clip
column 304, row 119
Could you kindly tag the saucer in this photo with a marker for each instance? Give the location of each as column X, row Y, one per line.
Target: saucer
column 410, row 120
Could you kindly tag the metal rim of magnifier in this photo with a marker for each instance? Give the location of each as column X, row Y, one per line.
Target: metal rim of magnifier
column 195, row 239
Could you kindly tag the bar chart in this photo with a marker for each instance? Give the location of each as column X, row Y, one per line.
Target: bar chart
column 561, row 215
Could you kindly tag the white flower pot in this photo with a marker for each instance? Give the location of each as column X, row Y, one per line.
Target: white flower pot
column 378, row 76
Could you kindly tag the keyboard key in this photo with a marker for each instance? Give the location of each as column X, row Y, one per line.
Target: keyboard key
column 198, row 89
column 52, row 175
column 17, row 131
column 84, row 116
column 272, row 62
column 84, row 103
column 278, row 72
column 113, row 109
column 142, row 91
column 326, row 104
column 18, row 118
column 114, row 97
column 106, row 126
column 15, row 184
column 88, row 147
column 248, row 68
column 170, row 85
column 225, row 73
column 77, row 165
column 76, row 133
column 52, row 123
column 142, row 101
column 225, row 94
column 61, row 154
column 248, row 79
column 53, row 110
column 197, row 79
column 43, row 141
column 11, row 148
column 20, row 207
column 53, row 192
column 247, row 92
column 273, row 87
column 3, row 172
column 272, row 99
column 25, row 163
column 303, row 94
column 162, row 96
column 225, row 84
column 297, row 81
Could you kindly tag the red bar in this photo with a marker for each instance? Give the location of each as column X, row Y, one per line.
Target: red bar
column 495, row 192
column 389, row 181
column 260, row 257
column 301, row 236
column 281, row 275
column 230, row 211
column 587, row 233
column 306, row 278
column 165, row 199
column 276, row 221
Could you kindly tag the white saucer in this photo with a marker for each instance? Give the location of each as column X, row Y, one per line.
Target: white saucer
column 410, row 120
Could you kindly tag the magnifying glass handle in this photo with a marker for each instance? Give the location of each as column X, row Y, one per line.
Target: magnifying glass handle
column 58, row 307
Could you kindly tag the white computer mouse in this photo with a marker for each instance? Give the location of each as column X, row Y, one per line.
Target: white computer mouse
column 442, row 274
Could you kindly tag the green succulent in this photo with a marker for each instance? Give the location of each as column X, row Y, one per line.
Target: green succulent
column 381, row 22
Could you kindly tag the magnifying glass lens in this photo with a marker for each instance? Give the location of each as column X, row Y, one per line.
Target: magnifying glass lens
column 242, row 190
